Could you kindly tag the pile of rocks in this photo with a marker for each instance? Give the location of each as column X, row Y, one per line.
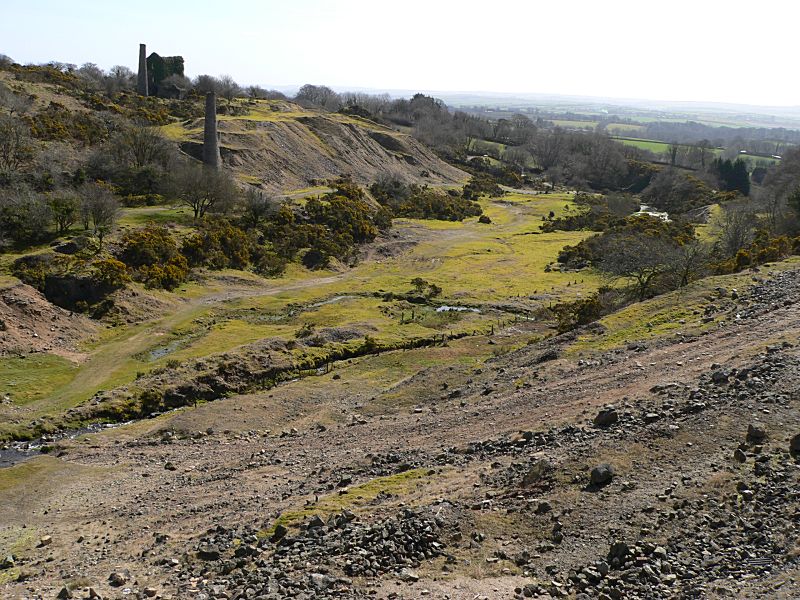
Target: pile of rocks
column 713, row 545
column 779, row 290
column 317, row 561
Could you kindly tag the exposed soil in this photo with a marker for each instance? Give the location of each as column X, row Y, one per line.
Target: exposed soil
column 29, row 323
column 309, row 150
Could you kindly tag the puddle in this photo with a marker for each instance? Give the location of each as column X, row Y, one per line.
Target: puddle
column 331, row 301
column 445, row 308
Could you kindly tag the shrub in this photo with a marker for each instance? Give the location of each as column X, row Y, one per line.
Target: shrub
column 32, row 269
column 153, row 255
column 480, row 185
column 421, row 202
column 168, row 275
column 583, row 311
column 110, row 273
column 58, row 123
column 268, row 263
column 218, row 245
column 147, row 246
column 330, row 226
column 25, row 217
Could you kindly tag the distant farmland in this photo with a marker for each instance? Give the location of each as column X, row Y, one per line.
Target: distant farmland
column 572, row 124
column 624, row 129
column 658, row 147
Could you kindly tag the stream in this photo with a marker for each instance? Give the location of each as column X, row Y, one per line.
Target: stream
column 13, row 453
column 653, row 212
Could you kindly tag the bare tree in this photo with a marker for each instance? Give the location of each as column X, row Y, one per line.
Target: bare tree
column 549, row 148
column 206, row 83
column 256, row 207
column 176, row 83
column 672, row 151
column 228, row 88
column 140, row 146
column 735, row 228
column 120, row 78
column 256, row 92
column 639, row 258
column 99, row 206
column 516, row 156
column 15, row 103
column 64, row 206
column 204, row 190
column 16, row 146
column 319, row 95
column 691, row 262
column 92, row 75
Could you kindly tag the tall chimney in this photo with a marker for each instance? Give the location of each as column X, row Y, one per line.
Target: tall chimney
column 141, row 81
column 211, row 156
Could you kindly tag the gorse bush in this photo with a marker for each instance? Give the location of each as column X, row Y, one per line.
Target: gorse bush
column 421, row 202
column 481, row 185
column 328, row 227
column 153, row 256
column 58, row 123
column 219, row 245
column 110, row 273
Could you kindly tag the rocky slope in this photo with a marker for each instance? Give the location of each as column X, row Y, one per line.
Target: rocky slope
column 661, row 469
column 285, row 147
column 29, row 323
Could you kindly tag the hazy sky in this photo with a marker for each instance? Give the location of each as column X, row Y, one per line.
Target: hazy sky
column 711, row 50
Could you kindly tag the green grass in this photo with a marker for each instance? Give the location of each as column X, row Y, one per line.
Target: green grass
column 34, row 376
column 572, row 124
column 161, row 215
column 475, row 264
column 651, row 145
column 662, row 315
column 624, row 129
column 756, row 160
column 397, row 485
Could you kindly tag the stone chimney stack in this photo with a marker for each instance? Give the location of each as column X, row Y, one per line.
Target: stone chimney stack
column 211, row 156
column 141, row 80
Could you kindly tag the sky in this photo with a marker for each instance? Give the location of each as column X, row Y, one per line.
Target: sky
column 735, row 51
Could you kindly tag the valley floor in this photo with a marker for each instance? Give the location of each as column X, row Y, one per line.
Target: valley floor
column 453, row 471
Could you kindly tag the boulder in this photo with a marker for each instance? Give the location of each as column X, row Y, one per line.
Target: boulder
column 618, row 554
column 64, row 594
column 118, row 578
column 720, row 377
column 606, row 417
column 408, row 575
column 538, row 470
column 316, row 521
column 794, row 445
column 756, row 433
column 602, row 474
column 279, row 533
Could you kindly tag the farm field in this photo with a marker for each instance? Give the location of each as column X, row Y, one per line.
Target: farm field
column 572, row 124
